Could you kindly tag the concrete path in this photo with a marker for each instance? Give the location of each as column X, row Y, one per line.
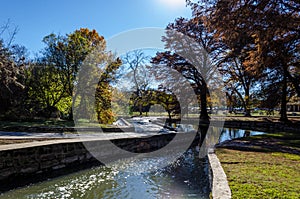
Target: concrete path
column 84, row 138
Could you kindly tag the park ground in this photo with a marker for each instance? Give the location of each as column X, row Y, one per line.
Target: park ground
column 265, row 166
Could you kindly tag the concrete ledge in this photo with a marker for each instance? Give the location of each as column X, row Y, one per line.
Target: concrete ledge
column 101, row 136
column 220, row 187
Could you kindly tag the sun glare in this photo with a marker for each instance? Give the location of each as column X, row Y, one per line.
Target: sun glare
column 172, row 4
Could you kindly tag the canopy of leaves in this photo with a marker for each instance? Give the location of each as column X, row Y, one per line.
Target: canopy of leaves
column 11, row 79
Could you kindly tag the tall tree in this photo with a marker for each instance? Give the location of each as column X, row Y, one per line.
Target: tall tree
column 134, row 65
column 11, row 73
column 267, row 30
column 10, row 76
column 239, row 80
column 93, row 91
column 193, row 53
column 68, row 52
column 103, row 95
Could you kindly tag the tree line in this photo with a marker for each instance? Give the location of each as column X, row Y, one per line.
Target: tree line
column 253, row 44
column 44, row 86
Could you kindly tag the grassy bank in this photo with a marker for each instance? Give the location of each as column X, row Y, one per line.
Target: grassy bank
column 265, row 166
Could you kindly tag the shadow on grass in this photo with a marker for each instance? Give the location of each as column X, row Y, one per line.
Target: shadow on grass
column 286, row 142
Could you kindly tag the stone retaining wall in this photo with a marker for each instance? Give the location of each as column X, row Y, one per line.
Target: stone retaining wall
column 21, row 166
column 18, row 163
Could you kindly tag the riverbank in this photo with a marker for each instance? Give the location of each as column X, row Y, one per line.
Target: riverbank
column 267, row 124
column 265, row 166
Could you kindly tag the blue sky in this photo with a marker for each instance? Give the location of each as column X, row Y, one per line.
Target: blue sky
column 38, row 18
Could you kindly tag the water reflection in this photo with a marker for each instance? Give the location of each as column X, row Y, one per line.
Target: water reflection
column 231, row 133
column 185, row 178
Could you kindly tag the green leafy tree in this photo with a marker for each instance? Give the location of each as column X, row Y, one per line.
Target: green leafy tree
column 46, row 92
column 168, row 101
column 150, row 97
column 67, row 53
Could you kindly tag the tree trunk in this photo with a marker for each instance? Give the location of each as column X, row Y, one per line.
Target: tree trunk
column 49, row 112
column 247, row 103
column 140, row 110
column 140, row 104
column 70, row 118
column 170, row 118
column 283, row 111
column 202, row 130
column 203, row 100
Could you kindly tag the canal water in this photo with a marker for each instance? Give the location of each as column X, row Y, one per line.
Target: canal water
column 187, row 177
column 231, row 133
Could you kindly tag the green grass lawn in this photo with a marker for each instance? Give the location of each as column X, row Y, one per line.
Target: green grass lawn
column 269, row 167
